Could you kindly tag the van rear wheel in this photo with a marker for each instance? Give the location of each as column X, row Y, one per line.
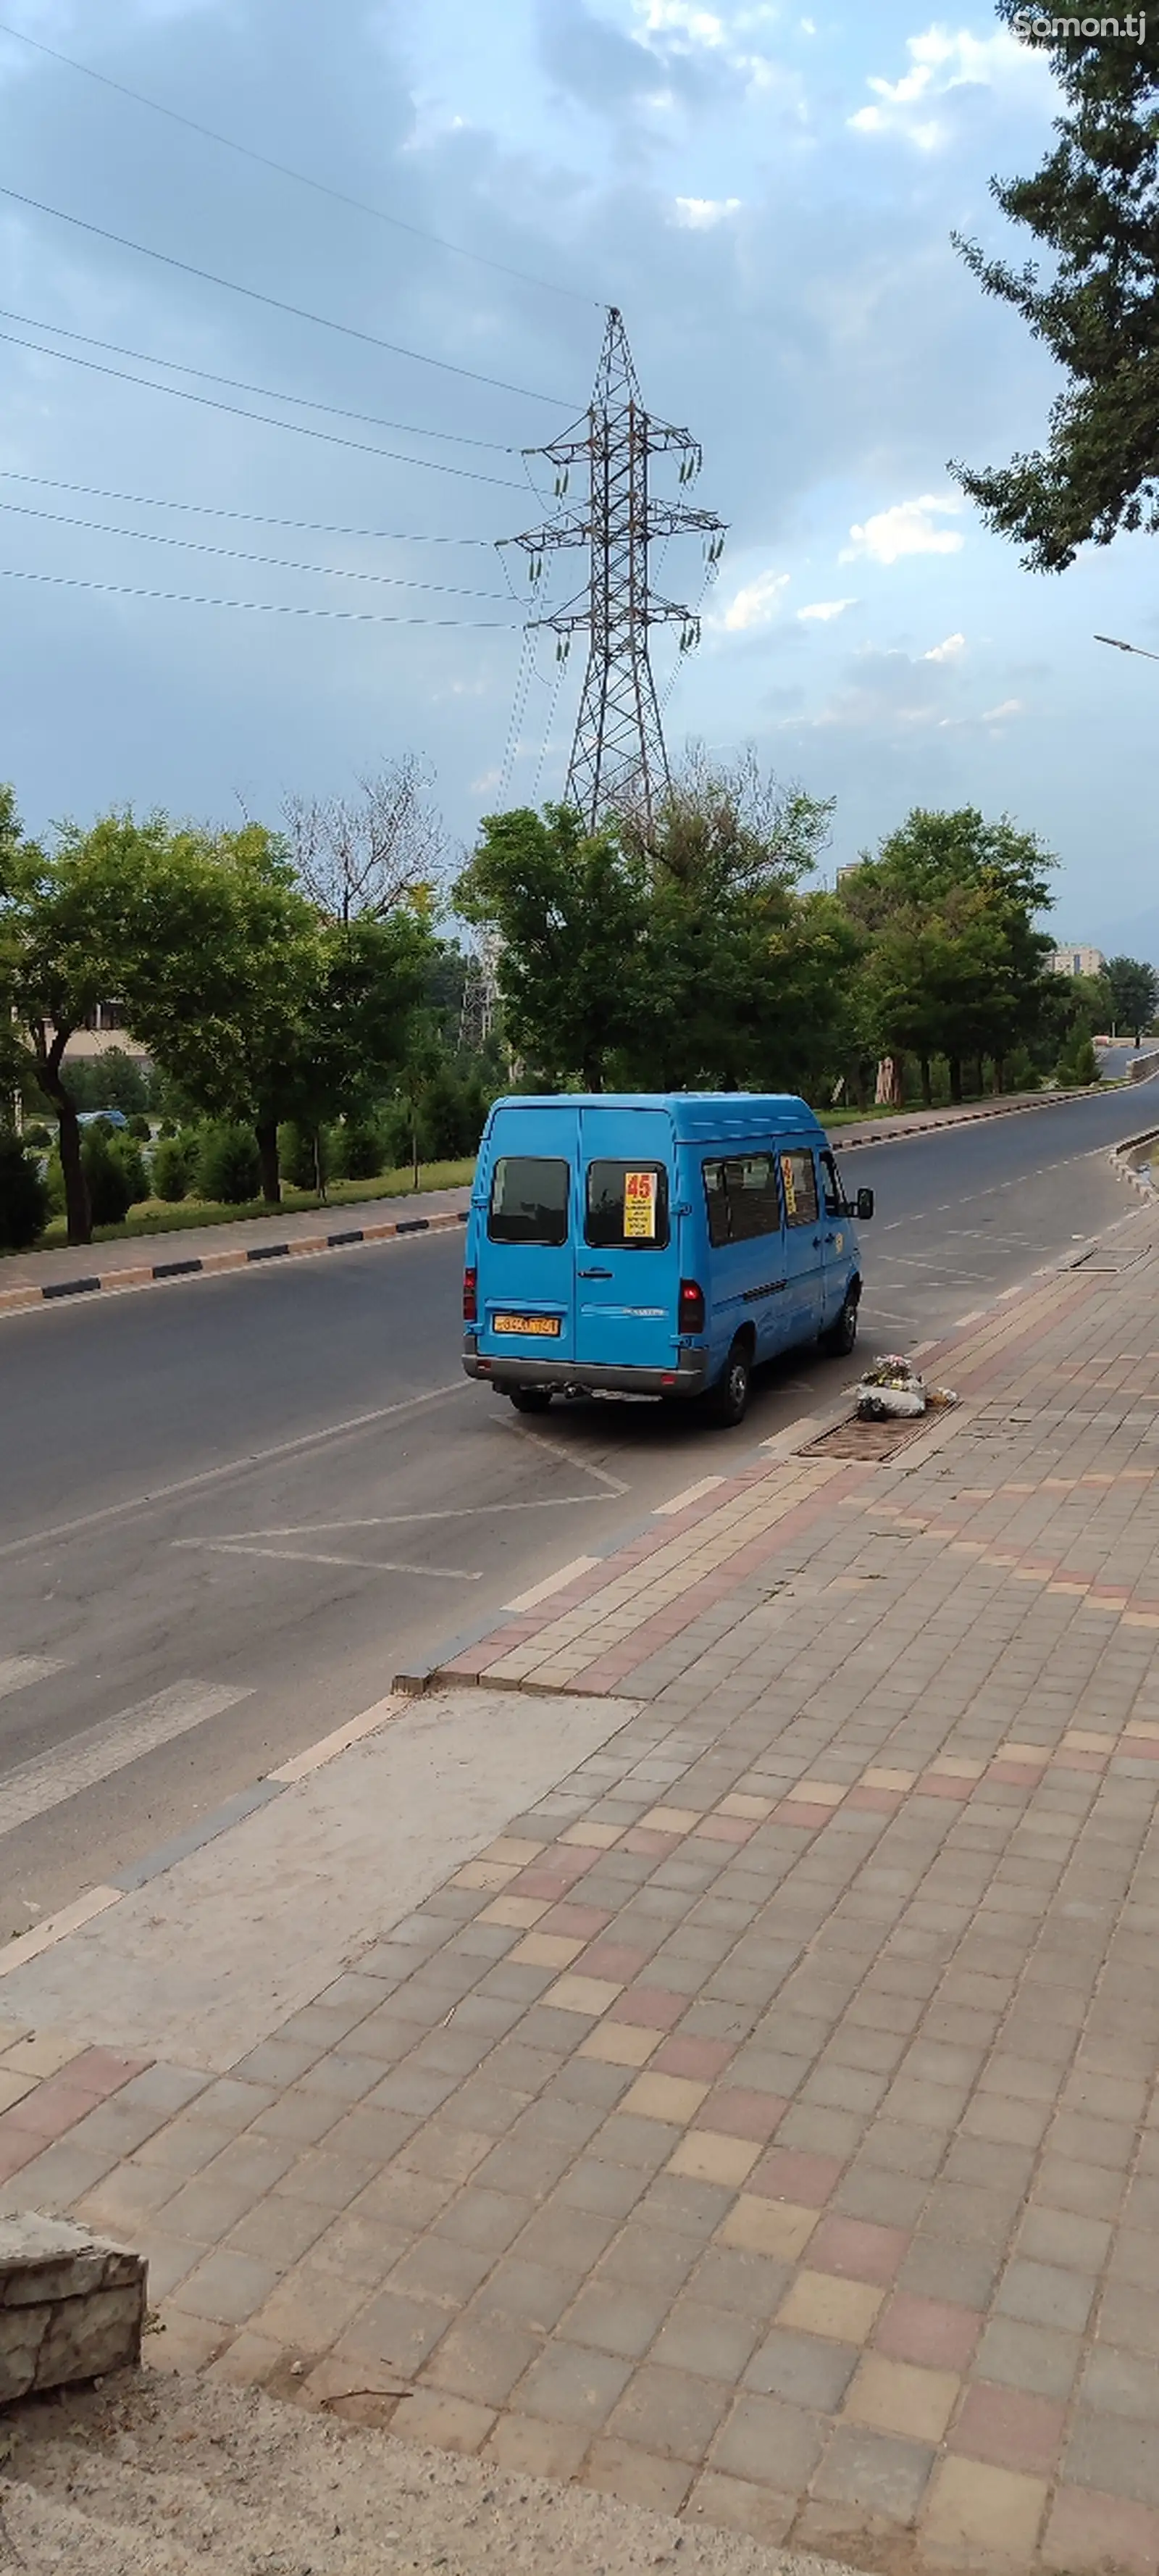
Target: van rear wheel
column 530, row 1399
column 730, row 1396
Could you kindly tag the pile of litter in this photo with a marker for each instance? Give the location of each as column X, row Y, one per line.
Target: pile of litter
column 893, row 1391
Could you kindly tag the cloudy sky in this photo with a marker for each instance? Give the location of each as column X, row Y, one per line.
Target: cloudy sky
column 766, row 191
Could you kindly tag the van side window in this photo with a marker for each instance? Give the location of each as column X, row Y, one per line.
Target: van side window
column 529, row 1200
column 799, row 1182
column 742, row 1200
column 831, row 1186
column 627, row 1207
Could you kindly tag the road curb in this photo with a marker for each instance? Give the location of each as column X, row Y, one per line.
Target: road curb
column 209, row 1265
column 1139, row 1181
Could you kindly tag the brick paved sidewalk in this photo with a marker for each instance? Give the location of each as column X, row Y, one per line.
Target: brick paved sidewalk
column 765, row 2126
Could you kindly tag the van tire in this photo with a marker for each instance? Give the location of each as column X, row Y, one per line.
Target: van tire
column 730, row 1396
column 841, row 1336
column 530, row 1399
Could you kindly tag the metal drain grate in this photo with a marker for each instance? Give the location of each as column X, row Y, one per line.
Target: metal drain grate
column 869, row 1442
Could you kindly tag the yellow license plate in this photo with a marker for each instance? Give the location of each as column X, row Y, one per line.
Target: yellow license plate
column 542, row 1327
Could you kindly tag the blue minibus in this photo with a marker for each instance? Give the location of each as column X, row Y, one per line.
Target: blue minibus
column 655, row 1245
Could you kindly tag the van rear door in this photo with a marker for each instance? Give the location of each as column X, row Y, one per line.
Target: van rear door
column 526, row 1288
column 627, row 1240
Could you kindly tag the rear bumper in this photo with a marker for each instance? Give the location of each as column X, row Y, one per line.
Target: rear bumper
column 689, row 1377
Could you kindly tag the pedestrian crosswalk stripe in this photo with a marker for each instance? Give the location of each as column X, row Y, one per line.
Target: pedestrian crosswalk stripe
column 86, row 1759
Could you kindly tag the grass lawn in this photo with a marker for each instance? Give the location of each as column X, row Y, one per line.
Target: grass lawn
column 162, row 1216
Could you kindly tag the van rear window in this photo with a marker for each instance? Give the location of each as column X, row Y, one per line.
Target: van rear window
column 529, row 1200
column 627, row 1207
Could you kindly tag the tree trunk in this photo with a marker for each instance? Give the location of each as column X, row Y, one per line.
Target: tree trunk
column 999, row 1075
column 319, row 1174
column 414, row 1153
column 78, row 1213
column 266, row 1132
column 979, row 1082
column 927, row 1082
column 955, row 1064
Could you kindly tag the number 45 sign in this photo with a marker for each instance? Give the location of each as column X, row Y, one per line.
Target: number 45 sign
column 639, row 1207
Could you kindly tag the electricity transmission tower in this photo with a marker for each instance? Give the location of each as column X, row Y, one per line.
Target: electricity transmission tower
column 618, row 747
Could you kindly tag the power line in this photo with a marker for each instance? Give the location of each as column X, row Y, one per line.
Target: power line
column 265, row 161
column 265, row 420
column 277, row 304
column 269, row 393
column 233, row 554
column 259, row 607
column 252, row 518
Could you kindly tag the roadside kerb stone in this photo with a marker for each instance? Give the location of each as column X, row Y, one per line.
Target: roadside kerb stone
column 71, row 2307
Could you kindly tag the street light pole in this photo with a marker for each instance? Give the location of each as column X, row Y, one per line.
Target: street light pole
column 1120, row 647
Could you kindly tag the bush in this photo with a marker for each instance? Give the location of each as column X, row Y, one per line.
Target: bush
column 54, row 1184
column 114, row 1080
column 296, row 1161
column 38, row 1135
column 140, row 1128
column 358, row 1149
column 171, row 1170
column 227, row 1165
column 127, row 1153
column 1078, row 1063
column 110, row 1189
column 23, row 1195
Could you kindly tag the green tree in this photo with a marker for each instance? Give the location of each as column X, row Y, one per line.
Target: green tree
column 570, row 908
column 954, row 963
column 737, row 979
column 1094, row 207
column 23, row 1196
column 1134, row 992
column 51, row 979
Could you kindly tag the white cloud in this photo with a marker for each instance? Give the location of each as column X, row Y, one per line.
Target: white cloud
column 907, row 529
column 700, row 214
column 755, row 604
column 824, row 609
column 996, row 715
column 947, row 651
column 940, row 63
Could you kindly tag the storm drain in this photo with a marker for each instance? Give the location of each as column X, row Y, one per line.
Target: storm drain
column 868, row 1442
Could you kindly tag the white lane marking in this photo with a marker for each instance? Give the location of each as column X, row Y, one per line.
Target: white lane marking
column 17, row 1671
column 233, row 1467
column 310, row 1556
column 691, row 1494
column 555, row 1582
column 398, row 1520
column 613, row 1485
column 49, row 1778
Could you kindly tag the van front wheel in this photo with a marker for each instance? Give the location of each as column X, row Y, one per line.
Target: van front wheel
column 841, row 1336
column 730, row 1398
column 530, row 1399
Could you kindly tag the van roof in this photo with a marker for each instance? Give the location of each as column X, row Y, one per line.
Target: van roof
column 694, row 1114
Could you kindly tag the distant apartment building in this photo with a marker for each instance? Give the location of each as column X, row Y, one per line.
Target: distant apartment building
column 1076, row 961
column 103, row 1030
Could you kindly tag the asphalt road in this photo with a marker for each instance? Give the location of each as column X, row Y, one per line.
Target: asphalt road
column 232, row 1509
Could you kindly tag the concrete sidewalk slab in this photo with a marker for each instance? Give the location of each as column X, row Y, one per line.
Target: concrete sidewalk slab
column 220, row 1945
column 761, row 2122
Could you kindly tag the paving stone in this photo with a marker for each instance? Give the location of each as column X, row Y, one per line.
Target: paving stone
column 806, row 2369
column 636, row 2476
column 1010, row 2428
column 619, row 2319
column 972, row 2510
column 1045, row 2295
column 669, row 2411
column 573, row 2384
column 1087, row 2530
column 1114, row 2452
column 898, row 2397
column 1041, row 2359
column 875, row 2472
column 769, row 2444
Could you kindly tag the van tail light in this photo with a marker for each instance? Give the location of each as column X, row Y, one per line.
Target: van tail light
column 691, row 1313
column 470, row 1296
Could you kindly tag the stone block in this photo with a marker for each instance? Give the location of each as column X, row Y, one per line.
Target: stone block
column 71, row 2306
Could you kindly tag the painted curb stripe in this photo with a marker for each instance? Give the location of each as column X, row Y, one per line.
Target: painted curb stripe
column 235, row 1257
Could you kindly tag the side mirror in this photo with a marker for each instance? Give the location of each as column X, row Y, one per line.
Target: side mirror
column 864, row 1206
